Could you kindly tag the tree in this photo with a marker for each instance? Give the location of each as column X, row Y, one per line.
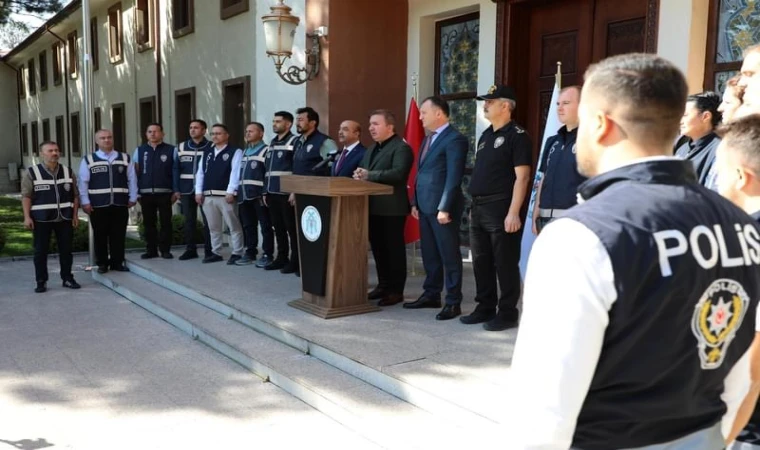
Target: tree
column 28, row 7
column 12, row 33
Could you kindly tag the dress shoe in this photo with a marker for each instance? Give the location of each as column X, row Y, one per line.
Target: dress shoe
column 212, row 259
column 277, row 264
column 291, row 267
column 480, row 315
column 391, row 299
column 120, row 268
column 376, row 294
column 167, row 255
column 149, row 255
column 244, row 261
column 189, row 254
column 264, row 261
column 71, row 284
column 423, row 302
column 40, row 287
column 449, row 312
column 234, row 259
column 102, row 269
column 501, row 322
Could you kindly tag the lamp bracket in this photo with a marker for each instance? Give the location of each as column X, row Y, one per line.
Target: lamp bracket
column 298, row 75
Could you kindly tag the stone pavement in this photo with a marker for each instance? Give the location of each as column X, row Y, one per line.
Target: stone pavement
column 90, row 370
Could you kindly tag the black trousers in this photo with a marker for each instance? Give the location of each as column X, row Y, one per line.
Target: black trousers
column 109, row 226
column 252, row 214
column 495, row 256
column 284, row 221
column 190, row 212
column 157, row 207
column 64, row 233
column 386, row 238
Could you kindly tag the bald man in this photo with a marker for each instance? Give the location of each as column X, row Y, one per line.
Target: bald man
column 351, row 149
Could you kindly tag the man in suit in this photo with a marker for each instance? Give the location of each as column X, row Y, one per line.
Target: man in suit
column 389, row 162
column 438, row 203
column 352, row 150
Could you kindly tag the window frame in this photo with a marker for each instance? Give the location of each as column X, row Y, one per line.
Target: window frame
column 712, row 67
column 116, row 11
column 123, row 125
column 72, row 46
column 35, row 130
column 24, row 139
column 30, row 77
column 150, row 11
column 57, row 63
column 46, row 130
column 94, row 44
column 42, row 59
column 233, row 10
column 21, row 82
column 61, row 140
column 143, row 124
column 181, row 128
column 178, row 32
column 76, row 134
column 97, row 119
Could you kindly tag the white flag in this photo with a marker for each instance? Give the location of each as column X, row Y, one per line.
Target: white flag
column 552, row 127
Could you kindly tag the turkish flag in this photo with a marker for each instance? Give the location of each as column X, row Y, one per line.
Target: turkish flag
column 413, row 135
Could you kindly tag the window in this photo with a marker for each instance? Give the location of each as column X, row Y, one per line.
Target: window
column 236, row 107
column 43, row 71
column 144, row 15
column 35, row 137
column 183, row 18
column 30, row 77
column 76, row 134
column 20, row 81
column 97, row 121
column 119, row 125
column 57, row 52
column 73, row 54
column 45, row 130
column 147, row 115
column 729, row 33
column 24, row 140
column 231, row 8
column 184, row 111
column 115, row 36
column 94, row 47
column 456, row 81
column 60, row 134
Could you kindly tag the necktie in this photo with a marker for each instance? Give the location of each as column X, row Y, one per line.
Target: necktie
column 426, row 147
column 340, row 160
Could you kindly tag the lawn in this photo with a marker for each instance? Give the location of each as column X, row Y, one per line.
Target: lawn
column 19, row 240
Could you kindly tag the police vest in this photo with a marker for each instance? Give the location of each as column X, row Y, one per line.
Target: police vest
column 190, row 155
column 108, row 181
column 217, row 170
column 306, row 155
column 156, row 166
column 561, row 178
column 252, row 174
column 53, row 197
column 685, row 265
column 279, row 161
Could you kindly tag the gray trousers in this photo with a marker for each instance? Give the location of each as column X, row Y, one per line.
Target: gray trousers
column 707, row 439
column 218, row 212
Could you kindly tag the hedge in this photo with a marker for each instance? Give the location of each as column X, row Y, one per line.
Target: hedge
column 178, row 227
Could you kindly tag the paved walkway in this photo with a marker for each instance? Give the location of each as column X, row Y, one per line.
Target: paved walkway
column 90, row 370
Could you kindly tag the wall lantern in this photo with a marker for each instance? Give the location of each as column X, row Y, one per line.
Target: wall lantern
column 279, row 31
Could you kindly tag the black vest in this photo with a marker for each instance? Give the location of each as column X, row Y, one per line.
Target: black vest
column 190, row 155
column 279, row 161
column 53, row 195
column 306, row 155
column 108, row 181
column 252, row 174
column 561, row 178
column 155, row 176
column 217, row 170
column 686, row 265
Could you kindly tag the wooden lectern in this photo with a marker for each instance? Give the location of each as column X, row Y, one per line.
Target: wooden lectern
column 332, row 215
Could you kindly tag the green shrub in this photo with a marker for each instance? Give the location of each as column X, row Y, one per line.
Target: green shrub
column 79, row 241
column 3, row 238
column 178, row 227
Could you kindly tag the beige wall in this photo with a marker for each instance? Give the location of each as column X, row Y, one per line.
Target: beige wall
column 682, row 37
column 9, row 148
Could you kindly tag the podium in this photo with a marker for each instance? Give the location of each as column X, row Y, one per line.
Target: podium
column 332, row 216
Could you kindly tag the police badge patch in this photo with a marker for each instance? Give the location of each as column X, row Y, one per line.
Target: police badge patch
column 497, row 143
column 717, row 316
column 309, row 147
column 67, row 187
column 121, row 169
column 575, row 148
column 225, row 157
column 279, row 154
column 163, row 158
column 253, row 164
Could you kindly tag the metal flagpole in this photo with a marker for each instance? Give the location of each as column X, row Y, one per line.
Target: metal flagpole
column 414, row 244
column 558, row 76
column 87, row 105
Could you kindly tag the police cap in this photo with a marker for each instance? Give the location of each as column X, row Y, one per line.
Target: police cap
column 499, row 91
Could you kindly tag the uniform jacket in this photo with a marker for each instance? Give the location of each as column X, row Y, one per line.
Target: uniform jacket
column 352, row 161
column 439, row 175
column 702, row 154
column 389, row 165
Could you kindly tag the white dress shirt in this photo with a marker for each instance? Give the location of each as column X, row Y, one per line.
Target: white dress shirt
column 84, row 177
column 234, row 182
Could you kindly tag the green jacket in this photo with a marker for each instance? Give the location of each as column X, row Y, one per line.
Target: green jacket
column 390, row 166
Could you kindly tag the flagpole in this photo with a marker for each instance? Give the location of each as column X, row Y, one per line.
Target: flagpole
column 558, row 76
column 414, row 244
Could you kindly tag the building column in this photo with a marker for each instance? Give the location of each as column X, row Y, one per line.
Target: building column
column 683, row 37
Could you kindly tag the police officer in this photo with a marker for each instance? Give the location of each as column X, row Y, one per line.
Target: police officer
column 498, row 188
column 250, row 205
column 190, row 153
column 107, row 189
column 558, row 187
column 639, row 338
column 50, row 199
column 157, row 168
column 698, row 124
column 279, row 161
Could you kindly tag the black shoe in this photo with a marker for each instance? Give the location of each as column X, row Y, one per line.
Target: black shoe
column 233, row 259
column 277, row 264
column 120, row 268
column 40, row 287
column 290, row 268
column 212, row 259
column 149, row 255
column 167, row 255
column 501, row 322
column 391, row 299
column 71, row 284
column 423, row 302
column 480, row 315
column 102, row 269
column 264, row 261
column 376, row 294
column 189, row 254
column 449, row 312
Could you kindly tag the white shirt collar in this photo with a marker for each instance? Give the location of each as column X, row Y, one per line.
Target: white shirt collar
column 351, row 147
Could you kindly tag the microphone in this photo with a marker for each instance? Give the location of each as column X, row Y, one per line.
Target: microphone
column 330, row 158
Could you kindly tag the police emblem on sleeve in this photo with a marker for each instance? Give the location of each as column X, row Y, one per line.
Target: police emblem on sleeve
column 309, row 147
column 67, row 187
column 225, row 157
column 279, row 154
column 717, row 317
column 253, row 164
column 163, row 158
column 311, row 223
column 499, row 140
column 121, row 169
column 575, row 148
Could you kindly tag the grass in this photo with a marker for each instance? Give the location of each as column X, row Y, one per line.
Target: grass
column 19, row 240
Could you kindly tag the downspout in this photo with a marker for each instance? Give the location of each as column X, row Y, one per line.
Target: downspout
column 65, row 76
column 18, row 105
column 157, row 35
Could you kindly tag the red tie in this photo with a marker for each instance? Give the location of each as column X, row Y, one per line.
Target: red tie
column 426, row 147
column 340, row 160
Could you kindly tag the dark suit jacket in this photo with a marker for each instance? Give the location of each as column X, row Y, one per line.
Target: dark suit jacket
column 352, row 161
column 438, row 186
column 391, row 166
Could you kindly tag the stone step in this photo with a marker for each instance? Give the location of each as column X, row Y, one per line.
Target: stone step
column 355, row 404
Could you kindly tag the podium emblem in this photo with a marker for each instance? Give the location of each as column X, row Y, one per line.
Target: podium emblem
column 311, row 223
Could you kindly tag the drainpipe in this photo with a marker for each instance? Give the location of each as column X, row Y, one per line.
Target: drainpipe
column 65, row 76
column 157, row 34
column 18, row 105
